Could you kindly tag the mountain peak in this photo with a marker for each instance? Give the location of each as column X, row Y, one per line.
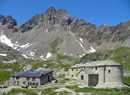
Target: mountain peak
column 56, row 32
column 51, row 10
column 49, row 19
column 7, row 20
column 59, row 14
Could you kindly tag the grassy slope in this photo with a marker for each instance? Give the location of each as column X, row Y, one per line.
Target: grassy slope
column 120, row 55
column 55, row 44
column 127, row 80
column 62, row 62
column 4, row 75
column 11, row 53
column 100, row 91
column 23, row 91
column 73, row 88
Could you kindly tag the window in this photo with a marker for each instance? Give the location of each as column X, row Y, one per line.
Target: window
column 17, row 83
column 95, row 68
column 109, row 71
column 33, row 83
column 33, row 79
column 27, row 78
column 36, row 84
column 72, row 75
column 72, row 69
column 82, row 77
column 17, row 77
column 30, row 83
column 76, row 69
column 24, row 82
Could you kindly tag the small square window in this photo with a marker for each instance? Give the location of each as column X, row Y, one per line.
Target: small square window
column 72, row 69
column 82, row 77
column 72, row 75
column 33, row 83
column 109, row 71
column 30, row 83
column 17, row 77
column 36, row 84
column 24, row 82
column 27, row 78
column 33, row 79
column 95, row 68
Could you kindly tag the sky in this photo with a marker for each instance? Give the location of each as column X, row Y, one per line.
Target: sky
column 98, row 12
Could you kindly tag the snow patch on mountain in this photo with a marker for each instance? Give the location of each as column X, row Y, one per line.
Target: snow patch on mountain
column 42, row 57
column 79, row 42
column 3, row 54
column 25, row 56
column 48, row 55
column 65, row 53
column 71, row 54
column 81, row 55
column 11, row 61
column 30, row 53
column 16, row 42
column 92, row 50
column 26, row 46
column 5, row 40
column 46, row 30
column 17, row 45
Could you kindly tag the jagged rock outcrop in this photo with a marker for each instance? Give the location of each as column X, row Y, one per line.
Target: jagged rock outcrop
column 55, row 31
column 8, row 21
column 49, row 19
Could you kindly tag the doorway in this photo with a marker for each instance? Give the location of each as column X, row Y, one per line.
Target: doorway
column 93, row 79
column 48, row 78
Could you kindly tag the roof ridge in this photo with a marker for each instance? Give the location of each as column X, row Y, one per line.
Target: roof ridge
column 97, row 63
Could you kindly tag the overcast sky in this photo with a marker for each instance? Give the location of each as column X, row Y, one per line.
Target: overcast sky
column 97, row 12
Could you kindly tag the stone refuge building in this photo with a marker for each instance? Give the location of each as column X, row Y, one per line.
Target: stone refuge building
column 31, row 78
column 104, row 73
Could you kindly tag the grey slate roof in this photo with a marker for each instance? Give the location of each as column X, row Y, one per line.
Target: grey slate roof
column 90, row 72
column 31, row 73
column 96, row 64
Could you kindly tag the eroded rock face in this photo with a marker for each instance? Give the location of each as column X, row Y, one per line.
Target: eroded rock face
column 54, row 19
column 56, row 31
column 8, row 20
column 50, row 18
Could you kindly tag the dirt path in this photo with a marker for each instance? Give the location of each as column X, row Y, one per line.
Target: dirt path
column 6, row 90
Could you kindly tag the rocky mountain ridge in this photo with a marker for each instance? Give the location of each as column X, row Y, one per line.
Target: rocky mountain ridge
column 56, row 32
column 8, row 21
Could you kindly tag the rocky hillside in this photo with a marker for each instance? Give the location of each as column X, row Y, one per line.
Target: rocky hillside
column 120, row 55
column 9, row 55
column 56, row 32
